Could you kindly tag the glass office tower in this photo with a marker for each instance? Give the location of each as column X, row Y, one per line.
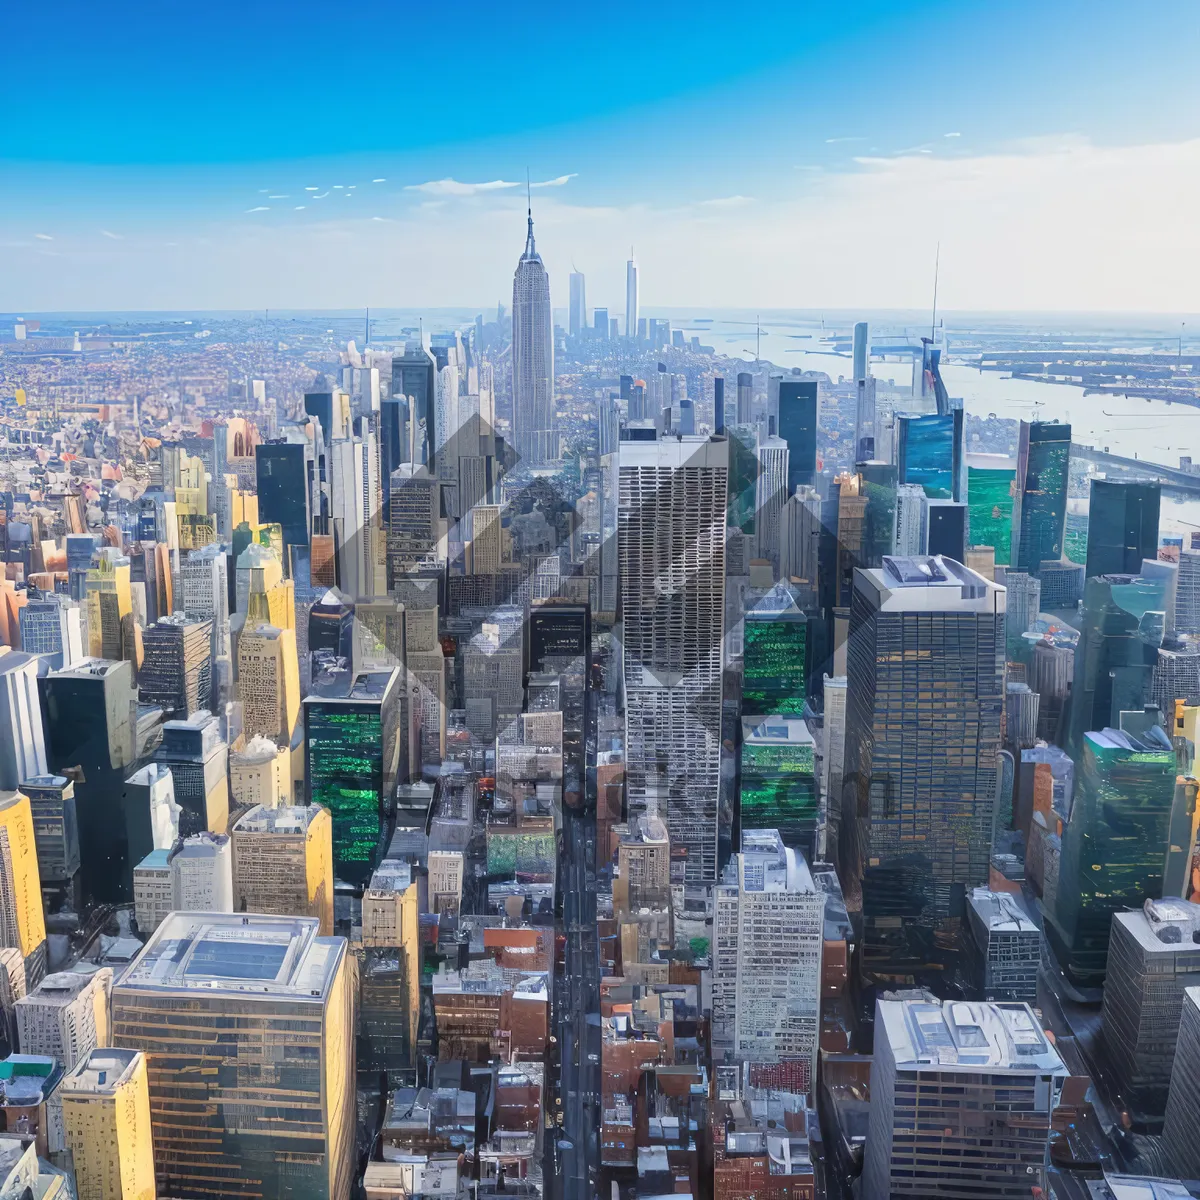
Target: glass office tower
column 929, row 452
column 775, row 658
column 351, row 746
column 990, row 486
column 1040, row 501
column 1114, row 846
column 1122, row 526
column 778, row 784
column 925, row 684
column 798, row 427
column 1120, row 633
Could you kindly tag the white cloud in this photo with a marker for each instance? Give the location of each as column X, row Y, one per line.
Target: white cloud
column 379, row 181
column 1050, row 224
column 116, row 237
column 835, row 141
column 43, row 237
column 260, row 208
column 951, row 135
column 277, row 196
column 452, row 187
column 455, row 187
column 728, row 202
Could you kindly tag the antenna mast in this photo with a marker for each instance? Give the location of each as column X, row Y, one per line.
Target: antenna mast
column 937, row 262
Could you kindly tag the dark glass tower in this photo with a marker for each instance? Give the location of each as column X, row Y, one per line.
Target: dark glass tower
column 282, row 476
column 925, row 687
column 1119, row 637
column 1114, row 846
column 798, row 427
column 1122, row 527
column 1040, row 501
column 351, row 747
column 86, row 710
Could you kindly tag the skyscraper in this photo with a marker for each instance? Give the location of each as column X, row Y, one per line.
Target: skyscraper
column 778, row 786
column 1001, row 1079
column 745, row 397
column 22, row 926
column 22, row 740
column 268, row 682
column 88, row 710
column 775, row 656
column 283, row 863
column 351, row 740
column 1114, row 844
column 535, row 419
column 1040, row 498
column 577, row 318
column 1122, row 526
column 1183, row 1102
column 797, row 412
column 176, row 672
column 257, row 1007
column 106, row 1112
column 283, row 480
column 671, row 544
column 631, row 296
column 1120, row 634
column 768, row 929
column 771, row 492
column 924, row 698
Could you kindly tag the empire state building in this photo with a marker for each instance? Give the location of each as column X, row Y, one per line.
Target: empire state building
column 535, row 421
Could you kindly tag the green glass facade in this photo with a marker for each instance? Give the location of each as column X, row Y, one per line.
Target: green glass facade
column 1114, row 847
column 1043, row 465
column 990, row 507
column 1075, row 538
column 1119, row 637
column 779, row 791
column 743, row 476
column 775, row 674
column 345, row 775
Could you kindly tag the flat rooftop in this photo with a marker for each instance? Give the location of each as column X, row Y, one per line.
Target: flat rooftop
column 238, row 953
column 1001, row 912
column 101, row 1072
column 1001, row 1037
column 357, row 687
column 287, row 818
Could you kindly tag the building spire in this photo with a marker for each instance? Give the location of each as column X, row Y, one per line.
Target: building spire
column 530, row 248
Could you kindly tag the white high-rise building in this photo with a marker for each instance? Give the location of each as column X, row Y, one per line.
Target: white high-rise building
column 770, row 494
column 671, row 546
column 631, row 296
column 577, row 316
column 205, row 586
column 800, row 535
column 910, row 498
column 535, row 419
column 22, row 738
column 357, row 514
column 768, row 931
column 834, row 756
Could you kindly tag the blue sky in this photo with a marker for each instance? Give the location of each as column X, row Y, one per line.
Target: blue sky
column 166, row 155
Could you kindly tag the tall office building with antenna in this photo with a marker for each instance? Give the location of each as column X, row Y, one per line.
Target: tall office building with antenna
column 535, row 421
column 631, row 296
